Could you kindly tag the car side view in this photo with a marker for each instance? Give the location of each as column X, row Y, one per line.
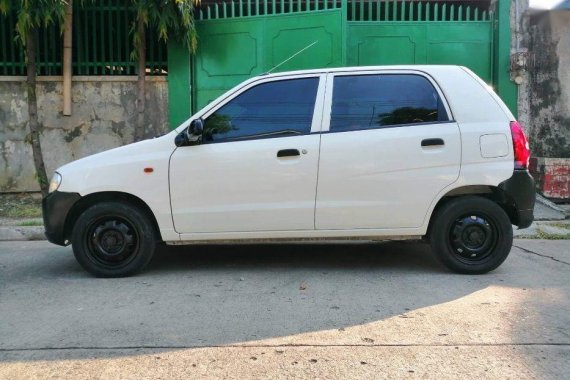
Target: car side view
column 371, row 153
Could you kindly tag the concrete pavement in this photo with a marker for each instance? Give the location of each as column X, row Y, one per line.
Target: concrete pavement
column 384, row 310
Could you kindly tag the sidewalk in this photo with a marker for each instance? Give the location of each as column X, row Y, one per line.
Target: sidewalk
column 551, row 222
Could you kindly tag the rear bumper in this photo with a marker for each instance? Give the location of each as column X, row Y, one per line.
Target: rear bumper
column 56, row 207
column 521, row 189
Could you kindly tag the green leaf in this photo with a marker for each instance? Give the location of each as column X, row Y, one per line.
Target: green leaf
column 169, row 18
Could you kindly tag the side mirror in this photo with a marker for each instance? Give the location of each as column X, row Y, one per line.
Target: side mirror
column 191, row 135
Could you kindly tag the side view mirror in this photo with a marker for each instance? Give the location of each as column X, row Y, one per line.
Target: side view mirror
column 191, row 135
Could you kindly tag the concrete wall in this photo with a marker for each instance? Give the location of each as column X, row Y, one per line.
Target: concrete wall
column 549, row 80
column 519, row 45
column 103, row 117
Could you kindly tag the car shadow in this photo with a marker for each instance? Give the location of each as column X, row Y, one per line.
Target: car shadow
column 392, row 255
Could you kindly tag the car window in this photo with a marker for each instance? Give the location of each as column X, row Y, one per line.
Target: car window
column 272, row 109
column 377, row 101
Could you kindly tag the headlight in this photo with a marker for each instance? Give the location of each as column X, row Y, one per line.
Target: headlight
column 55, row 182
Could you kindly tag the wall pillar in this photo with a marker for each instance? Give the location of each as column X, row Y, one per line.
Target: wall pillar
column 506, row 88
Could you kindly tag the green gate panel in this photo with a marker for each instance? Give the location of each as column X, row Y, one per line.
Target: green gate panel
column 237, row 49
column 389, row 50
column 286, row 42
column 230, row 53
column 385, row 44
column 466, row 44
column 400, row 43
column 476, row 56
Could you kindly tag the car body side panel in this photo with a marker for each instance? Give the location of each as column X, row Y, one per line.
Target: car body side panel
column 479, row 112
column 244, row 186
column 384, row 178
column 122, row 170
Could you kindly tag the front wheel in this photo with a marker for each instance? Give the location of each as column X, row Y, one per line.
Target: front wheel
column 112, row 239
column 471, row 235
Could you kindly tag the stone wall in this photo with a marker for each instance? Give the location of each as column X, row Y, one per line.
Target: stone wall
column 549, row 95
column 103, row 117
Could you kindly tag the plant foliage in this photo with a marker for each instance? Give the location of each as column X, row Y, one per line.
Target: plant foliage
column 34, row 14
column 171, row 19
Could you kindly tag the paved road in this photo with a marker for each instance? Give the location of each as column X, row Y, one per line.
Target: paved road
column 384, row 310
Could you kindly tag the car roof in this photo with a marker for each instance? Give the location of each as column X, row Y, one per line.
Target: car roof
column 424, row 68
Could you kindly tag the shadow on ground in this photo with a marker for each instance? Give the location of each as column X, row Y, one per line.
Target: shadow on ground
column 218, row 295
column 396, row 255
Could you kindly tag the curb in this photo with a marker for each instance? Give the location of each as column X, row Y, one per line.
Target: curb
column 22, row 233
column 542, row 200
column 37, row 233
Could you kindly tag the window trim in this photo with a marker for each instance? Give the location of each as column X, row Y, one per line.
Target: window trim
column 327, row 113
column 391, row 126
column 316, row 121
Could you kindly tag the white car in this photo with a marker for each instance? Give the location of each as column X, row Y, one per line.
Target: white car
column 390, row 152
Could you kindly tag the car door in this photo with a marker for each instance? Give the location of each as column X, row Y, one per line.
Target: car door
column 389, row 146
column 256, row 167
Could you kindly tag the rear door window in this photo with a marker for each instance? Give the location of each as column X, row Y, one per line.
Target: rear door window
column 384, row 100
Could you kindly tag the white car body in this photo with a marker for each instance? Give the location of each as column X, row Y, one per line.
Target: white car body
column 375, row 183
column 369, row 153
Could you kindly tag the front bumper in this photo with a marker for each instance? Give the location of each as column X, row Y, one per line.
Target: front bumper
column 521, row 189
column 56, row 207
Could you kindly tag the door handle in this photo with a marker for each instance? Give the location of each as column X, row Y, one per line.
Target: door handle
column 288, row 153
column 433, row 142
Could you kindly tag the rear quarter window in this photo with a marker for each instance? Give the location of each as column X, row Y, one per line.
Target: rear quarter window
column 384, row 100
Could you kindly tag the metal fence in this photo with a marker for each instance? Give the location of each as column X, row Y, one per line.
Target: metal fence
column 357, row 10
column 414, row 10
column 247, row 8
column 102, row 43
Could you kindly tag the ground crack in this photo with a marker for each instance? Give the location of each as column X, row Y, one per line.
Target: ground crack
column 541, row 255
column 147, row 347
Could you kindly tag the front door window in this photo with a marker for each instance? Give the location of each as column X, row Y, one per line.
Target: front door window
column 274, row 109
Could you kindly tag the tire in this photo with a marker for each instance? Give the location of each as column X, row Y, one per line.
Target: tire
column 471, row 235
column 113, row 239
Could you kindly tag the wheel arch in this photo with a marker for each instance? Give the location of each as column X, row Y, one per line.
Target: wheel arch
column 493, row 193
column 89, row 200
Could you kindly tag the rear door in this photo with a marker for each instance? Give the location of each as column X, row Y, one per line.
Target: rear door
column 389, row 146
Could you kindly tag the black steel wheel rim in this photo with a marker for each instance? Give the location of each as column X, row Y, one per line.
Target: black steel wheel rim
column 112, row 241
column 473, row 237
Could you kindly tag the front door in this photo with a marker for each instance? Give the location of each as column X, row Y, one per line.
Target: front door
column 256, row 168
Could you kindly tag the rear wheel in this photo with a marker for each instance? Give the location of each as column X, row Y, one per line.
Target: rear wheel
column 112, row 239
column 471, row 235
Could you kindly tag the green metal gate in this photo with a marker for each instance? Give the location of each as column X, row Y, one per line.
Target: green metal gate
column 238, row 40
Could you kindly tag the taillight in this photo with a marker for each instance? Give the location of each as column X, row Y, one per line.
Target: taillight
column 520, row 146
